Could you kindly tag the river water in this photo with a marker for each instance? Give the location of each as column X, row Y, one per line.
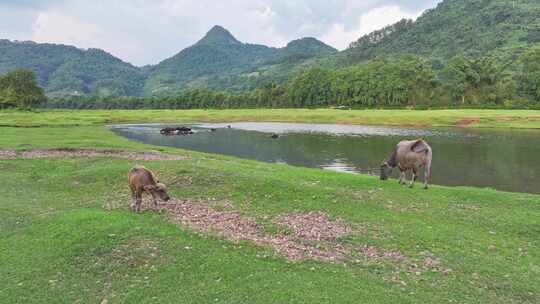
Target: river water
column 501, row 159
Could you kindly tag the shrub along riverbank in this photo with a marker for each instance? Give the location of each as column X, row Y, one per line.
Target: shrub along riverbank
column 66, row 234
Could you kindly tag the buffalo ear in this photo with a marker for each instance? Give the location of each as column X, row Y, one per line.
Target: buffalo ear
column 419, row 146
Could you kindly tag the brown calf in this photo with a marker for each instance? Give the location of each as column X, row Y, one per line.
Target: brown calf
column 143, row 180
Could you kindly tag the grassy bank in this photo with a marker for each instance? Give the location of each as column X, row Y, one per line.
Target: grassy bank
column 435, row 118
column 66, row 234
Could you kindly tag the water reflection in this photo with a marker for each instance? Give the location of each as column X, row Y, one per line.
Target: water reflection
column 505, row 160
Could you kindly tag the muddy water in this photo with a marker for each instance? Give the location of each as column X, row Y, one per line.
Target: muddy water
column 501, row 159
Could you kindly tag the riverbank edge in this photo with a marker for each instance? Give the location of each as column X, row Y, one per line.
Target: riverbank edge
column 506, row 119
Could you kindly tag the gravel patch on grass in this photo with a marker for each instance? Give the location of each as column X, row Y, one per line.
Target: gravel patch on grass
column 88, row 153
column 233, row 226
column 314, row 226
column 426, row 263
column 312, row 235
column 8, row 154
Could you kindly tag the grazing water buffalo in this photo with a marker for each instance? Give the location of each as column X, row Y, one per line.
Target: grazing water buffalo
column 143, row 180
column 409, row 155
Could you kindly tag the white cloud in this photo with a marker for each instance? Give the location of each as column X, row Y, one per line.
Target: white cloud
column 382, row 16
column 55, row 27
column 340, row 37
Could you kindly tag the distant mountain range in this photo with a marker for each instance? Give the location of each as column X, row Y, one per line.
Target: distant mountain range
column 219, row 61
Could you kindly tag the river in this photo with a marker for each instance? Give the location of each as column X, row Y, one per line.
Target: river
column 501, row 159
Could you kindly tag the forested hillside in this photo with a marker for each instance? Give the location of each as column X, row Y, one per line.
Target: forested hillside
column 472, row 28
column 65, row 70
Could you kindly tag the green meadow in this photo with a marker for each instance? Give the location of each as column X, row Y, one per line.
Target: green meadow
column 429, row 118
column 68, row 236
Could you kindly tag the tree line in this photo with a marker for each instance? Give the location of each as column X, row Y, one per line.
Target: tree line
column 393, row 83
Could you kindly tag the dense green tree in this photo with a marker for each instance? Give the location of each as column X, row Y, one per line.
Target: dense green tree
column 312, row 88
column 19, row 88
column 399, row 82
column 530, row 77
column 460, row 77
column 494, row 85
column 423, row 82
column 477, row 81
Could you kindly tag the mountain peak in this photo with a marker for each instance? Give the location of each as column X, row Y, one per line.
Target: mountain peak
column 309, row 46
column 218, row 35
column 309, row 42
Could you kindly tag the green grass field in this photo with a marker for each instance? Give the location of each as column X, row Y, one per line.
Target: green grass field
column 434, row 118
column 67, row 236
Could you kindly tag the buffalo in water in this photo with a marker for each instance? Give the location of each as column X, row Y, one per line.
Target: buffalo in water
column 176, row 131
column 409, row 155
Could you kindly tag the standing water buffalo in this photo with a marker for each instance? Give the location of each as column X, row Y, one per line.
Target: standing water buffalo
column 409, row 155
column 143, row 180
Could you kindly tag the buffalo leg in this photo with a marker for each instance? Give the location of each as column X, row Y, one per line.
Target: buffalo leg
column 154, row 200
column 402, row 176
column 133, row 200
column 427, row 176
column 413, row 178
column 138, row 203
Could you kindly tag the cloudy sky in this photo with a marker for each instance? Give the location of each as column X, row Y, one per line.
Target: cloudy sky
column 148, row 31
